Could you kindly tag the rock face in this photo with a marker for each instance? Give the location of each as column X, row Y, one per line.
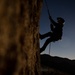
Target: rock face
column 19, row 37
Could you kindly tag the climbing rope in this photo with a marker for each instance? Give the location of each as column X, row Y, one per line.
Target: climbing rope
column 47, row 8
column 49, row 17
column 49, row 48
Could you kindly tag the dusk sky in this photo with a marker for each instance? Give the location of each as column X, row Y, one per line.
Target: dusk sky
column 65, row 9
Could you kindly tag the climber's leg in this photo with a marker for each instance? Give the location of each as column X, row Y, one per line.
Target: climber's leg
column 45, row 44
column 45, row 35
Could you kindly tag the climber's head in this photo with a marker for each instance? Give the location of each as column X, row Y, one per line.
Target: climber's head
column 60, row 20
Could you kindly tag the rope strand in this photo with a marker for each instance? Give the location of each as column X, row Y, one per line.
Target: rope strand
column 49, row 17
column 49, row 48
column 47, row 8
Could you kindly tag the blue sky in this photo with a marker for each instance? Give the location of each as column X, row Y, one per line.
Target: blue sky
column 66, row 10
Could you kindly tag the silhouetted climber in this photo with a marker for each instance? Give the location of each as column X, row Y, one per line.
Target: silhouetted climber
column 55, row 34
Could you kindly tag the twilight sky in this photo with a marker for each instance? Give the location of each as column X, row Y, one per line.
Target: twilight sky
column 66, row 10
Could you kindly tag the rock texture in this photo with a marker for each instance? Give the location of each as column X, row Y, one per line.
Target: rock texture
column 19, row 37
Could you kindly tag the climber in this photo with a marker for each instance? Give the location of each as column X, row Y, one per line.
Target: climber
column 55, row 34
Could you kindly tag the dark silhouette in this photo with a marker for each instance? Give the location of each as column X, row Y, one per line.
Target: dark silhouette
column 55, row 34
column 64, row 65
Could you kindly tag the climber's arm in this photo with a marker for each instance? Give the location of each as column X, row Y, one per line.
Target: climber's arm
column 52, row 27
column 52, row 21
